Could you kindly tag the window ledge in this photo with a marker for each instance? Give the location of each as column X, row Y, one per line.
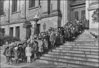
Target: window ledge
column 2, row 15
column 34, row 7
column 16, row 12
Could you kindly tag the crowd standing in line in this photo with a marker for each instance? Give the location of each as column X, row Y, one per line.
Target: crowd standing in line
column 33, row 48
column 29, row 51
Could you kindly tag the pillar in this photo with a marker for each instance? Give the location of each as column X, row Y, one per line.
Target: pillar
column 14, row 31
column 32, row 28
column 86, row 9
column 65, row 11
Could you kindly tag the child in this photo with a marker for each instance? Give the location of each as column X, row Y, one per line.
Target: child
column 28, row 52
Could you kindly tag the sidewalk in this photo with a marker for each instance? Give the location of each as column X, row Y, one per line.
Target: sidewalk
column 28, row 65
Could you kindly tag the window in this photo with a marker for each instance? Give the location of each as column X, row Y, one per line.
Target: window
column 3, row 31
column 18, row 32
column 31, row 3
column 50, row 5
column 14, row 5
column 83, row 14
column 39, row 2
column 76, row 15
column 11, row 31
column 1, row 7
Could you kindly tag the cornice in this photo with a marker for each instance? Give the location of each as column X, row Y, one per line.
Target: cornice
column 92, row 8
column 52, row 14
column 93, row 3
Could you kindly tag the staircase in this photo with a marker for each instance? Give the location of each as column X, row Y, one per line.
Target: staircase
column 83, row 52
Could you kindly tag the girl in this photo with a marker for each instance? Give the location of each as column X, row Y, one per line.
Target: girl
column 28, row 52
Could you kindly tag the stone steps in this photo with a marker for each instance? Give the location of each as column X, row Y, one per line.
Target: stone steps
column 93, row 47
column 69, row 61
column 77, row 52
column 82, row 52
column 75, row 55
column 80, row 57
column 78, row 48
column 82, row 43
column 73, row 58
column 66, row 64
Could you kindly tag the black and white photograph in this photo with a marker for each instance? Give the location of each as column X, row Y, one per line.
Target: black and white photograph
column 49, row 33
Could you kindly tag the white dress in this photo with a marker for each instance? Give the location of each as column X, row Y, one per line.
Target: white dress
column 28, row 51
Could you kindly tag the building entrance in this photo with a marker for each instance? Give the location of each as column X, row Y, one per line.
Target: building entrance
column 78, row 13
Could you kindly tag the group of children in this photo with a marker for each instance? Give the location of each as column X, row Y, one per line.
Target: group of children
column 25, row 52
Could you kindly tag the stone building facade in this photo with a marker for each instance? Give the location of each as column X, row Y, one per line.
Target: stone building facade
column 50, row 13
column 92, row 6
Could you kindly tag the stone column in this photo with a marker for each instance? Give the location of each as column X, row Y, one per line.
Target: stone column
column 14, row 31
column 32, row 29
column 32, row 33
column 87, row 6
column 65, row 11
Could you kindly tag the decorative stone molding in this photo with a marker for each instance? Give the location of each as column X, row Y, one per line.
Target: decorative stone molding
column 53, row 13
column 95, row 15
column 94, row 3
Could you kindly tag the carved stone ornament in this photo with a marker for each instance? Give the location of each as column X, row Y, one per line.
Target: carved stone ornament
column 95, row 15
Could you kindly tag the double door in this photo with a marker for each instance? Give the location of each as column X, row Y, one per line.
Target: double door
column 78, row 13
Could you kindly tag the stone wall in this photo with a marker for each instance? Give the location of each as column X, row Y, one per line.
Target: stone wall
column 49, row 22
column 22, row 30
column 58, row 17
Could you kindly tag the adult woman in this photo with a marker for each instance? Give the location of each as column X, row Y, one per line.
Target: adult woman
column 45, row 45
column 52, row 39
column 8, row 54
column 35, row 49
column 40, row 46
column 21, row 52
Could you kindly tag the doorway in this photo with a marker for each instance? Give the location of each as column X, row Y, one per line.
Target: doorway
column 38, row 28
column 28, row 32
column 78, row 14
